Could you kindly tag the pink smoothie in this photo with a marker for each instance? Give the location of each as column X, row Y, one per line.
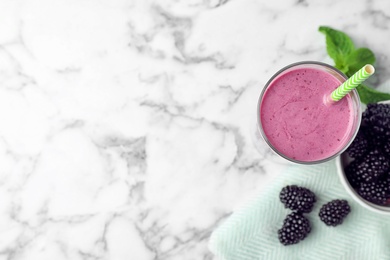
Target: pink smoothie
column 295, row 119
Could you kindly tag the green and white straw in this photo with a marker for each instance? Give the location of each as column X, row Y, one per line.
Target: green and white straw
column 358, row 78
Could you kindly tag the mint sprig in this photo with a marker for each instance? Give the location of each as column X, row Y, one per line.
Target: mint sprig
column 348, row 59
column 357, row 59
column 369, row 95
column 339, row 47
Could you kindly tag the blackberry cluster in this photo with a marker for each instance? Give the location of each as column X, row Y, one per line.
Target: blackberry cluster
column 334, row 212
column 359, row 146
column 371, row 168
column 353, row 174
column 377, row 116
column 386, row 149
column 375, row 192
column 369, row 173
column 297, row 198
column 295, row 228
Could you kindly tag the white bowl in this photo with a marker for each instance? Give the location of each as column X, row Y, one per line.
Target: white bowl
column 342, row 161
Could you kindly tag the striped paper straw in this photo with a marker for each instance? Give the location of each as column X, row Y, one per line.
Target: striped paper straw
column 358, row 78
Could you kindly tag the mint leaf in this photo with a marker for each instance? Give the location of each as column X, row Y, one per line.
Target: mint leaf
column 348, row 60
column 369, row 95
column 358, row 58
column 338, row 46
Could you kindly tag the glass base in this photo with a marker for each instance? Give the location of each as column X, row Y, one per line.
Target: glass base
column 262, row 147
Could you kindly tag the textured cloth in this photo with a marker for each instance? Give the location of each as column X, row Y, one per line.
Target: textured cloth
column 251, row 232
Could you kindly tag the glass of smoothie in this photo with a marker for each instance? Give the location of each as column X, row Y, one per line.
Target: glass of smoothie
column 299, row 122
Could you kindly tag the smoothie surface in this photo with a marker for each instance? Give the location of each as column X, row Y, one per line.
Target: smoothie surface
column 295, row 119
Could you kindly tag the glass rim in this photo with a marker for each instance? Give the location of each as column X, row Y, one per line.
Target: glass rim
column 354, row 94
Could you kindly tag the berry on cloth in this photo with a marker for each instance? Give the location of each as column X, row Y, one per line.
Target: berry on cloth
column 295, row 228
column 334, row 212
column 297, row 198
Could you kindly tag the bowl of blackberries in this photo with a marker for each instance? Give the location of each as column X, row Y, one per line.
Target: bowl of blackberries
column 364, row 168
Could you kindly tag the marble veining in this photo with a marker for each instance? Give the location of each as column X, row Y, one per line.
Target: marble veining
column 127, row 126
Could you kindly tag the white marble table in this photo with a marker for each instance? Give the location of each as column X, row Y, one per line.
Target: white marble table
column 125, row 126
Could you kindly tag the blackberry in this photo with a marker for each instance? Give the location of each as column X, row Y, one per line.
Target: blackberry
column 369, row 169
column 297, row 198
column 334, row 212
column 352, row 174
column 378, row 165
column 359, row 146
column 375, row 140
column 375, row 192
column 386, row 149
column 295, row 228
column 377, row 116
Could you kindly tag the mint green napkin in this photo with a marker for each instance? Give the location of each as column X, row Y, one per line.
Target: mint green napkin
column 251, row 232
